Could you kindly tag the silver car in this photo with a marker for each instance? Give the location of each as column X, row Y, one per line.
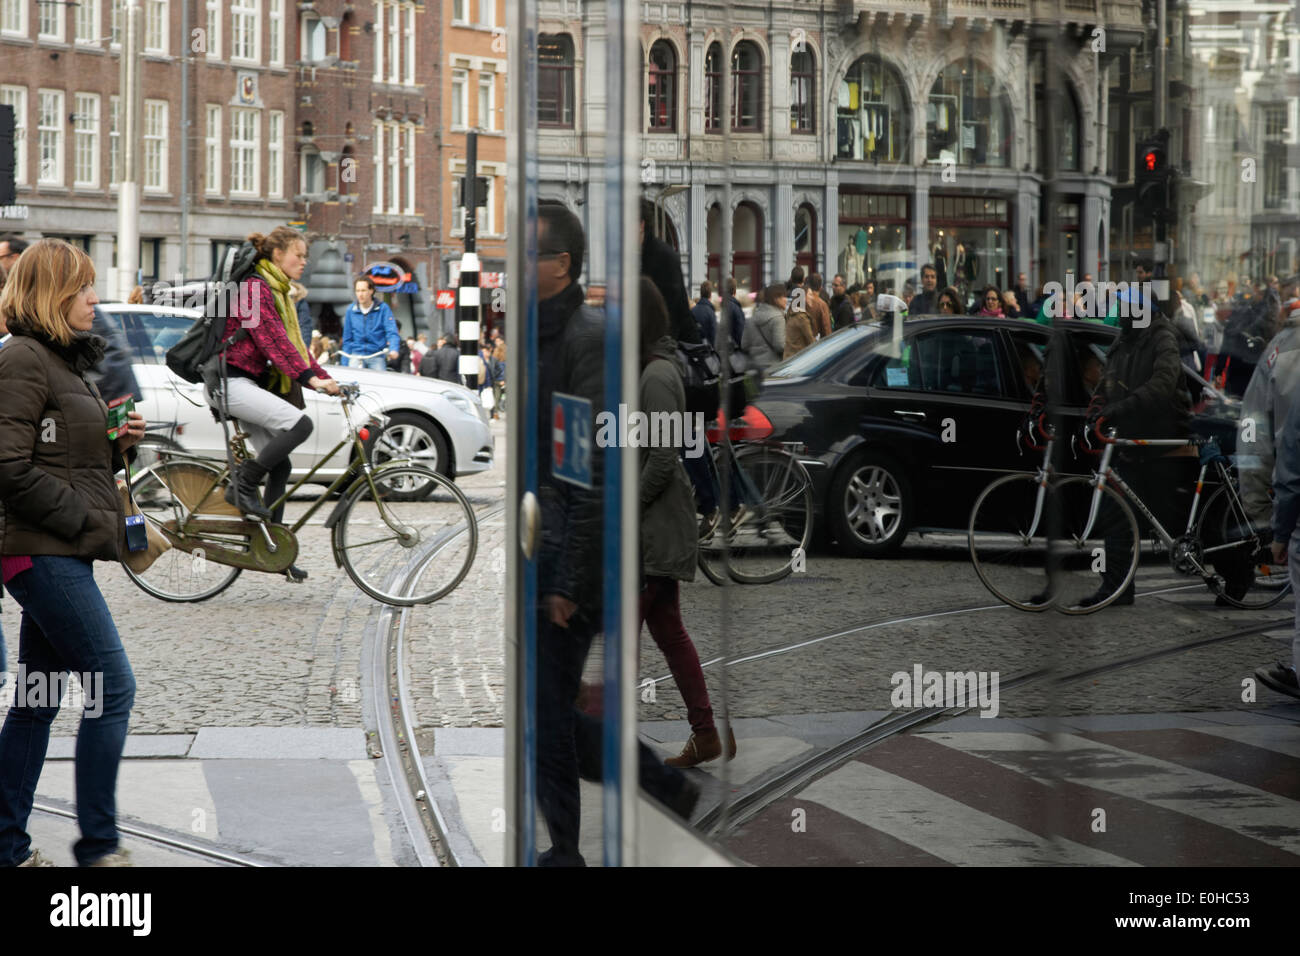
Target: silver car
column 437, row 423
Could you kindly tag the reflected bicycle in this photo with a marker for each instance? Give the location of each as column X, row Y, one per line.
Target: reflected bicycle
column 771, row 525
column 1038, row 541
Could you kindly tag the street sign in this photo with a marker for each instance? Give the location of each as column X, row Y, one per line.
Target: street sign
column 446, row 299
column 571, row 439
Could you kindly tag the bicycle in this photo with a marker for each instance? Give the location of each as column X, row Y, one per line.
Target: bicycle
column 771, row 525
column 386, row 542
column 349, row 355
column 1038, row 541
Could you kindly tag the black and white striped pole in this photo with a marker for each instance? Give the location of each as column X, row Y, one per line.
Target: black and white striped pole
column 468, row 295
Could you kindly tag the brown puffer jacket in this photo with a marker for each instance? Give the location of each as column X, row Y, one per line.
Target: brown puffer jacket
column 57, row 493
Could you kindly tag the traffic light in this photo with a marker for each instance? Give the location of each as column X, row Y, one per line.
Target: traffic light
column 480, row 191
column 1155, row 180
column 7, row 159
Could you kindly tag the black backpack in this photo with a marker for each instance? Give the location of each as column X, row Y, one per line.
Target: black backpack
column 702, row 374
column 203, row 340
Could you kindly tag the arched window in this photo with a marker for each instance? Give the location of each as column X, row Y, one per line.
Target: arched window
column 1058, row 125
column 713, row 89
column 968, row 117
column 747, row 246
column 555, row 86
column 803, row 92
column 661, row 87
column 872, row 119
column 805, row 238
column 746, row 89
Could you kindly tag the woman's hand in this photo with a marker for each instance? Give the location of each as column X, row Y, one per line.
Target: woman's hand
column 327, row 385
column 133, row 433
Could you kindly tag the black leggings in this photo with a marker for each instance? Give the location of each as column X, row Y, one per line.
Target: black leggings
column 274, row 457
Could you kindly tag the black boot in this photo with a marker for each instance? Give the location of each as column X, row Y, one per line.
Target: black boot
column 243, row 492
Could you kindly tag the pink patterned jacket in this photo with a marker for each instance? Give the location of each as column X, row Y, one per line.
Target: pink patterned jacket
column 267, row 342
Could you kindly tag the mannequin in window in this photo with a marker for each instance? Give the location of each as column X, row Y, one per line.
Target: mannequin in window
column 940, row 259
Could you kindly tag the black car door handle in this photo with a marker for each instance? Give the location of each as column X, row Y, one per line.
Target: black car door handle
column 906, row 413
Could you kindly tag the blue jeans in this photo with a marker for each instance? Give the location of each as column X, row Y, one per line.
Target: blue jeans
column 65, row 626
column 378, row 363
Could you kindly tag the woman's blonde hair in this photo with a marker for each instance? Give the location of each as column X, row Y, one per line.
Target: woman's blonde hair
column 41, row 287
column 282, row 238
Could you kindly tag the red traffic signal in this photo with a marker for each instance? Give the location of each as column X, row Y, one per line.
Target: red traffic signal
column 1149, row 160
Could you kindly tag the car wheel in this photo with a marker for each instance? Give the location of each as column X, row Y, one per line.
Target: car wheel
column 414, row 438
column 870, row 505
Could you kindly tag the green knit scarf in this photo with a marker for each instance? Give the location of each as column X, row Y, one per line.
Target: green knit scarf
column 279, row 283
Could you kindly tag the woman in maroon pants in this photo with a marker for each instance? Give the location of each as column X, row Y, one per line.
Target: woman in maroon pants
column 669, row 533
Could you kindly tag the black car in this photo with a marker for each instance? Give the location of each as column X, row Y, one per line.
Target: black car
column 906, row 442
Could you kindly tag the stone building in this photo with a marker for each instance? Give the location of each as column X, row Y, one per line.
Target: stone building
column 59, row 69
column 867, row 136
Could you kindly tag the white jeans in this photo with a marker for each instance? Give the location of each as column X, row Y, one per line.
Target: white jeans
column 262, row 414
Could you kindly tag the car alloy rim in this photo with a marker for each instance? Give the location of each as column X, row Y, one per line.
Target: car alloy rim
column 873, row 504
column 407, row 441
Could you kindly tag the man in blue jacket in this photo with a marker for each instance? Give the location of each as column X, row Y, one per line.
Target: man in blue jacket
column 369, row 326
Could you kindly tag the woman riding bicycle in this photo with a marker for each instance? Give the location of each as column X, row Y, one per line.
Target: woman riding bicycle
column 263, row 369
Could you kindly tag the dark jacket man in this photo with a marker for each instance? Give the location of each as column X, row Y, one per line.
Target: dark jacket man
column 1142, row 387
column 841, row 312
column 442, row 363
column 706, row 317
column 57, row 497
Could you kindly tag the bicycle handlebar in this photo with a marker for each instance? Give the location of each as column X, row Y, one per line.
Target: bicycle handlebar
column 371, row 355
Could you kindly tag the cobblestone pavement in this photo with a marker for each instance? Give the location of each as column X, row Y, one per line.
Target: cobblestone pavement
column 262, row 653
column 269, row 653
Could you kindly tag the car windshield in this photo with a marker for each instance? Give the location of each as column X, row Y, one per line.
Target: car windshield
column 821, row 354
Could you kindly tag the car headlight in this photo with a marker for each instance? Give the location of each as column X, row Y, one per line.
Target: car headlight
column 461, row 402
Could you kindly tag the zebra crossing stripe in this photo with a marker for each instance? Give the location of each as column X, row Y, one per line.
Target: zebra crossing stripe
column 1151, row 785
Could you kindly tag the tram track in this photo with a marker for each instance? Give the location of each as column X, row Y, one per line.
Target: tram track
column 163, row 839
column 421, row 817
column 724, row 819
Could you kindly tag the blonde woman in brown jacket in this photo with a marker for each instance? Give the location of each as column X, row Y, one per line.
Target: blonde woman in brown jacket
column 59, row 511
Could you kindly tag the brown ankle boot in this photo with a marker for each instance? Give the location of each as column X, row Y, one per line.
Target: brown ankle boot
column 699, row 748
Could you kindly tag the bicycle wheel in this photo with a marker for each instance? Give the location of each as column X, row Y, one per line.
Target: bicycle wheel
column 166, row 494
column 763, row 538
column 1008, row 541
column 1240, row 553
column 1078, row 562
column 404, row 552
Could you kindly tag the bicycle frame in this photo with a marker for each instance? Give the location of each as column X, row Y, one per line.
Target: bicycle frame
column 350, row 477
column 1105, row 472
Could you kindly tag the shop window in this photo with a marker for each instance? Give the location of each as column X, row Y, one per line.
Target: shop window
column 874, row 241
column 968, row 117
column 872, row 121
column 970, row 243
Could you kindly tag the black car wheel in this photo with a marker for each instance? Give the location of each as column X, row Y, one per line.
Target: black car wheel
column 870, row 504
column 412, row 438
